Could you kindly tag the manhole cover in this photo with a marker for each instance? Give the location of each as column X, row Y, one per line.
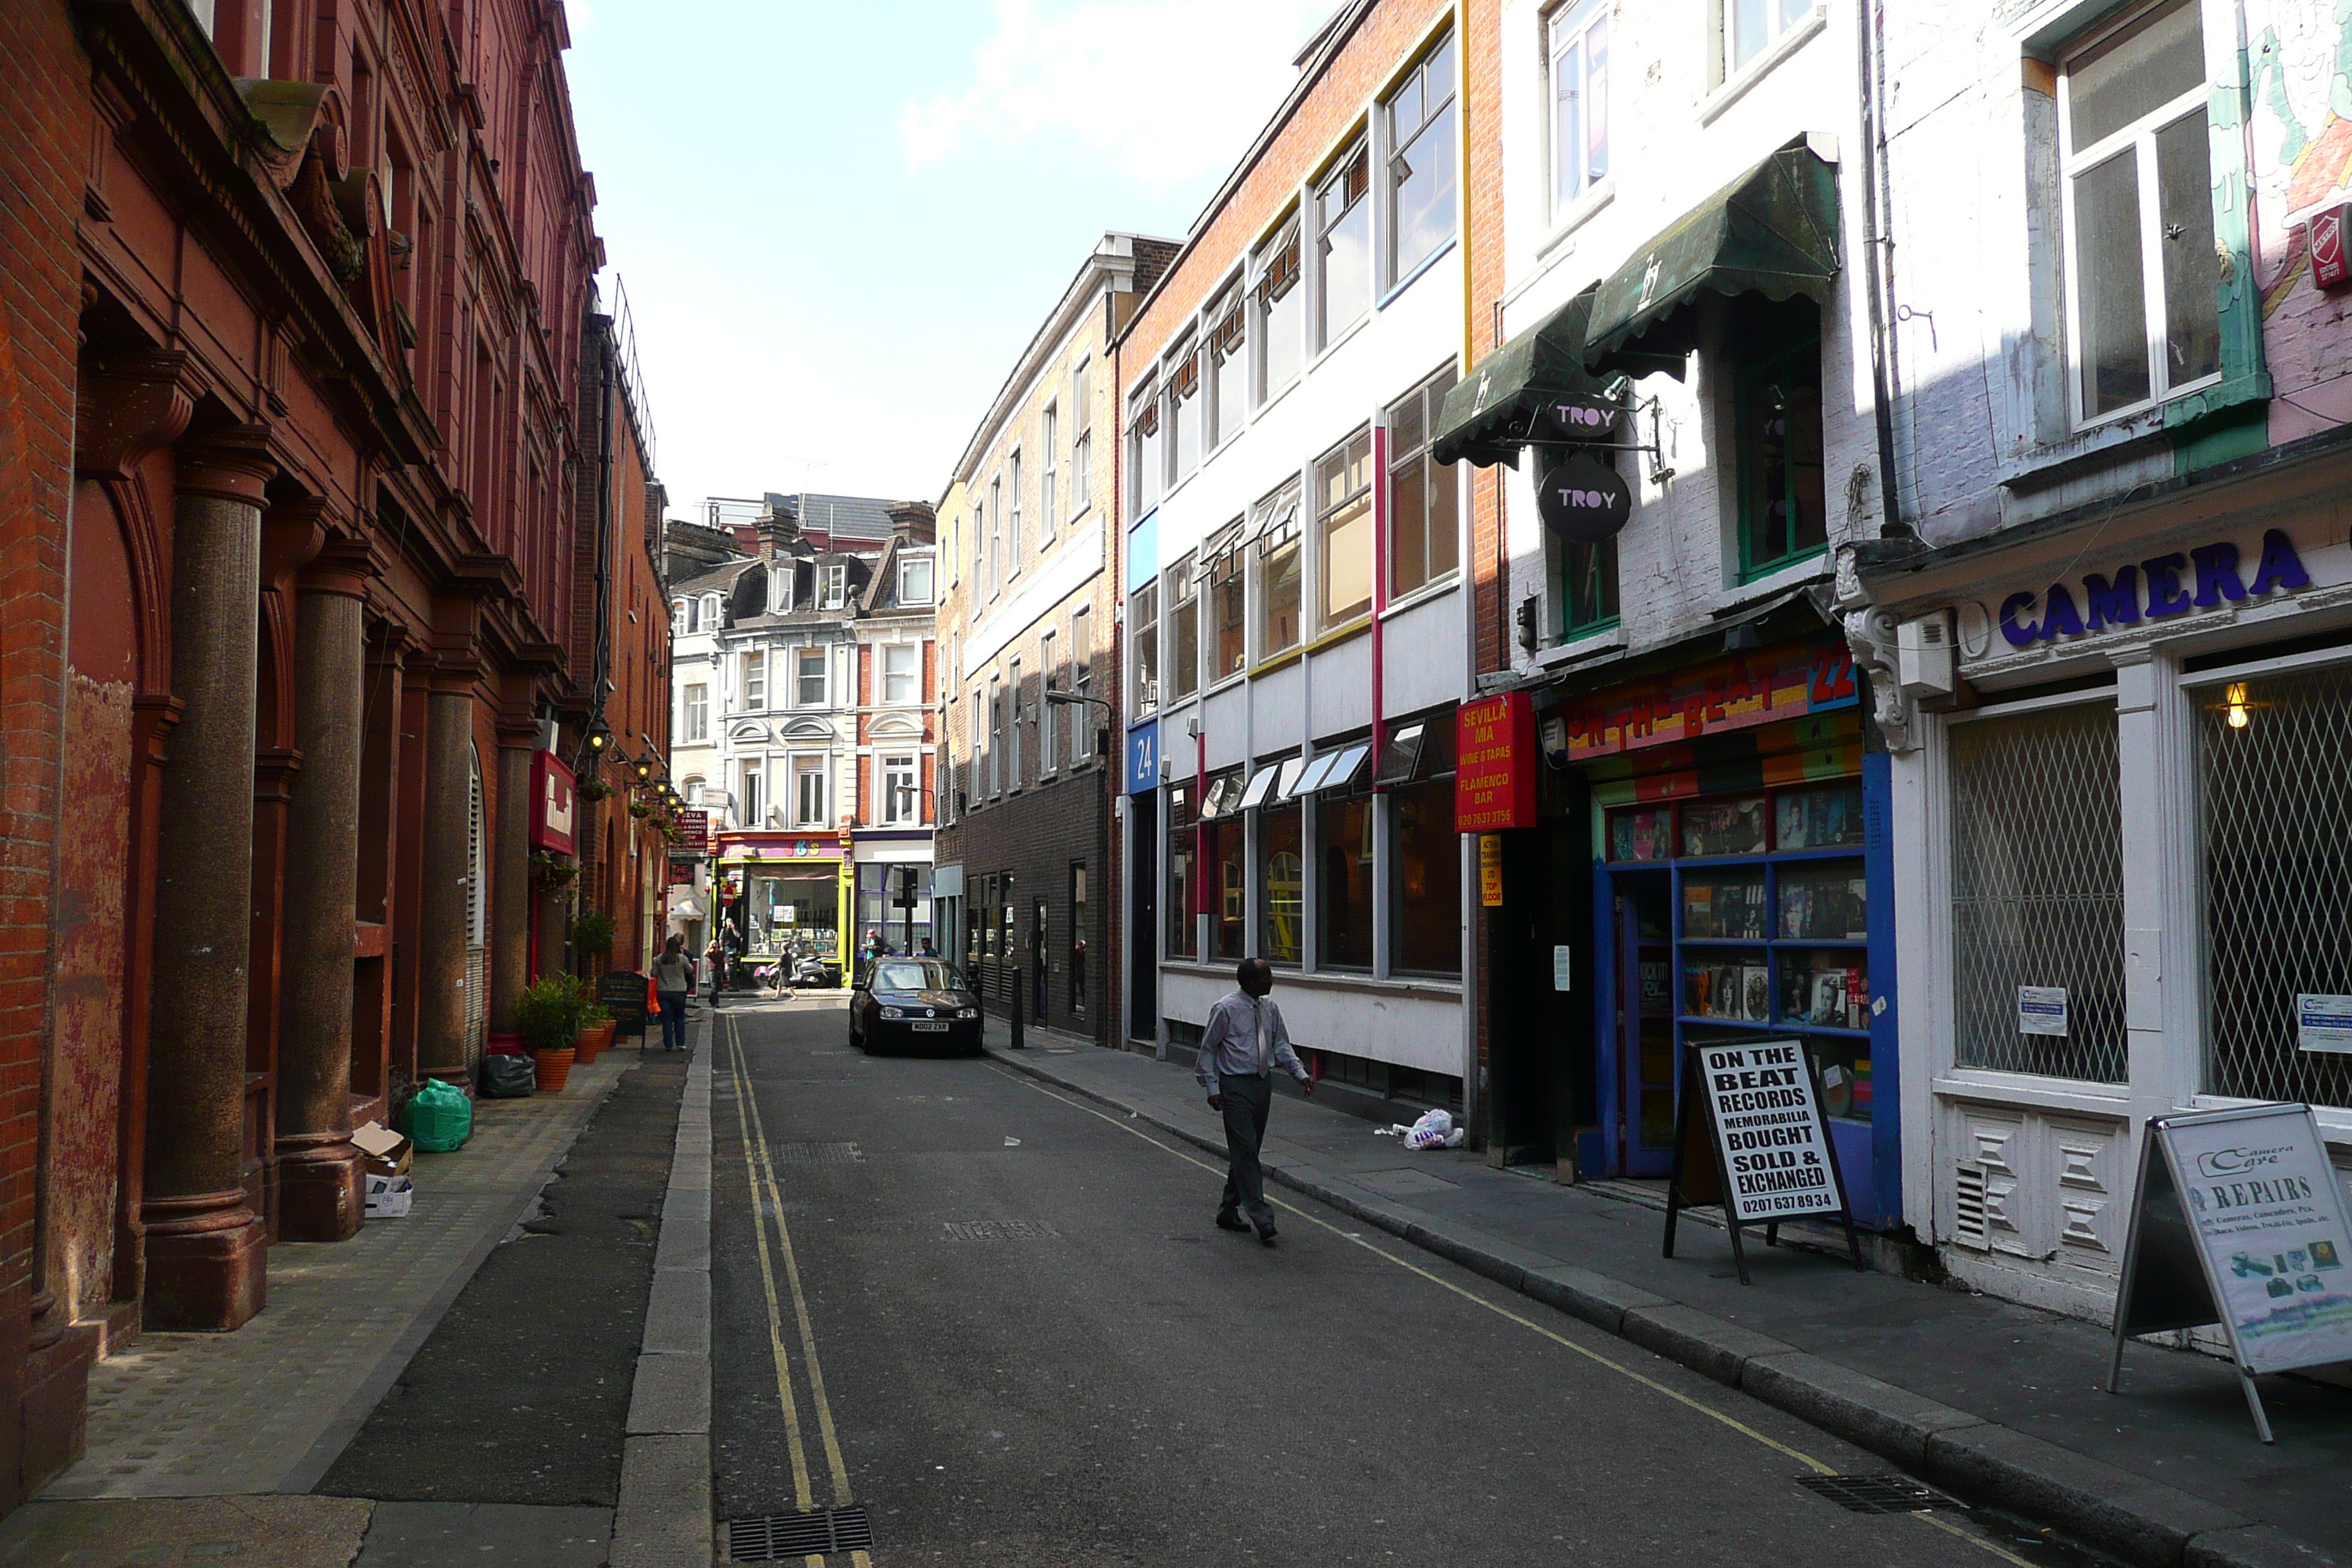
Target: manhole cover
column 774, row 1537
column 997, row 1230
column 816, row 1154
column 1876, row 1494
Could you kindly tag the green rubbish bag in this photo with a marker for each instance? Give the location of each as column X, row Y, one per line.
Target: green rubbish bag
column 440, row 1118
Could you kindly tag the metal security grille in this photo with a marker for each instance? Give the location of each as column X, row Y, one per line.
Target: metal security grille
column 1876, row 1494
column 998, row 1230
column 816, row 1154
column 780, row 1537
column 2274, row 795
column 2038, row 889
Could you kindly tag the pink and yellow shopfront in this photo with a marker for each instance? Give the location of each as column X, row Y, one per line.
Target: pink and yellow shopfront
column 787, row 895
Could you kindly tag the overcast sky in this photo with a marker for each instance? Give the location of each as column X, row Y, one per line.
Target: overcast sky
column 837, row 224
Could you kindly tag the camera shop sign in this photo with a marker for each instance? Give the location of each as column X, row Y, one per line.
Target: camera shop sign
column 2156, row 589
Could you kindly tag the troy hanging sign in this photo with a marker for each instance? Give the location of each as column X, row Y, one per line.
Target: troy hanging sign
column 1582, row 502
column 1752, row 1139
column 2155, row 589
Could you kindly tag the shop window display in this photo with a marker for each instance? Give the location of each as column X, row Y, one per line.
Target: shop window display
column 1773, row 941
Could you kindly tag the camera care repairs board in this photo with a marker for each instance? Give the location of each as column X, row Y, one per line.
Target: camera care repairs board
column 1750, row 1137
column 2238, row 1219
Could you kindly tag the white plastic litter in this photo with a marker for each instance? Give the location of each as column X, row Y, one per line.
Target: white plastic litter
column 1435, row 1130
column 1013, row 1143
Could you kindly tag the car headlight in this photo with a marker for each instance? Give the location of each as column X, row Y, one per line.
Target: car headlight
column 894, row 1012
column 967, row 1011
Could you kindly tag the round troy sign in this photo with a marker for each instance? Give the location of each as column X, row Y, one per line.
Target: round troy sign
column 1574, row 420
column 1583, row 501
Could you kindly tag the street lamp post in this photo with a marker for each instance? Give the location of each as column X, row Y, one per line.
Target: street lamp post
column 1102, row 837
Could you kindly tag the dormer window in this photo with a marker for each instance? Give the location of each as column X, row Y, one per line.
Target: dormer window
column 915, row 580
column 780, row 589
column 836, row 585
column 681, row 619
column 710, row 613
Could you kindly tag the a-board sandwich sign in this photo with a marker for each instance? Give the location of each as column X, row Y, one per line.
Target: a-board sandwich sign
column 2239, row 1220
column 1753, row 1139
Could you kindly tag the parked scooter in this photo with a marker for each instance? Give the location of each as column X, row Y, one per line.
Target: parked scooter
column 808, row 970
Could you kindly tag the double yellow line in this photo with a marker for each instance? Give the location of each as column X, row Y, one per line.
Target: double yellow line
column 767, row 1200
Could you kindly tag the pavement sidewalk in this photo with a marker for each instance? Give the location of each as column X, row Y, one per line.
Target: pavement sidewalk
column 199, row 1444
column 1999, row 1404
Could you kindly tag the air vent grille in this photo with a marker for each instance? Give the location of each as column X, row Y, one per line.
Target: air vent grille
column 1969, row 1207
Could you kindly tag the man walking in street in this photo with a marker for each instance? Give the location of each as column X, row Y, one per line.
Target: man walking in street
column 1244, row 1042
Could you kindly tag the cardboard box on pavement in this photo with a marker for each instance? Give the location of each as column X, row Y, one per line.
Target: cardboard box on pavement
column 388, row 1154
column 389, row 1197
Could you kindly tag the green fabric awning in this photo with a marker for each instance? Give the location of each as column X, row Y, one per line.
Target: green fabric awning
column 1773, row 230
column 1486, row 418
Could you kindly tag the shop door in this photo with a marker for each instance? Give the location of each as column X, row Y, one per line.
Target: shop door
column 1142, row 934
column 1645, row 1036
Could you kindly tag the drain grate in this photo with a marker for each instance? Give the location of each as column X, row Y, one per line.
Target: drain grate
column 775, row 1537
column 997, row 1230
column 816, row 1154
column 1876, row 1494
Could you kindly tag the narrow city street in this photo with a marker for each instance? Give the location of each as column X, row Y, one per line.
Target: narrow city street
column 1003, row 1323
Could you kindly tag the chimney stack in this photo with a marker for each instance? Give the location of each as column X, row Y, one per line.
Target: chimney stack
column 914, row 522
column 778, row 527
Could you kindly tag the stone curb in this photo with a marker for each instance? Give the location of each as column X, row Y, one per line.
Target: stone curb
column 2145, row 1522
column 664, row 1517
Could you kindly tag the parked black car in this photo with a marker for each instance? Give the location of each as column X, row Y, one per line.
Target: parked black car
column 913, row 1002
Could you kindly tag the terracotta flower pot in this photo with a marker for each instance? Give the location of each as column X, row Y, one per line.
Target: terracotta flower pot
column 554, row 1069
column 593, row 1039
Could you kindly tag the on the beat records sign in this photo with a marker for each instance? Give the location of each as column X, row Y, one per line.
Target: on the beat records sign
column 1775, row 1160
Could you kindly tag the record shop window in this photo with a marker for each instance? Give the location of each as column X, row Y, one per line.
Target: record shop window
column 1775, row 354
column 2143, row 280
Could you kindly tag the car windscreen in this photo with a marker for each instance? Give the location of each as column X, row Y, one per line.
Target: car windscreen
column 915, row 974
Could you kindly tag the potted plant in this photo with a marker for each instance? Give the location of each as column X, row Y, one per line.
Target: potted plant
column 592, row 933
column 596, row 1029
column 547, row 1014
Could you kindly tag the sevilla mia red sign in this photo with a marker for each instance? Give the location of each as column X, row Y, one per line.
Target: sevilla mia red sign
column 1495, row 772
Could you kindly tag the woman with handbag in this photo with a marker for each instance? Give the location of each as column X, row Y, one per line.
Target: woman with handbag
column 672, row 979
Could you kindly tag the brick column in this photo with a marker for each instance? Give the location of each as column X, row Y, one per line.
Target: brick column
column 206, row 1249
column 319, row 1187
column 442, row 895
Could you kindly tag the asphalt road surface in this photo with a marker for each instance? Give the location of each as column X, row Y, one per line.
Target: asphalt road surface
column 1002, row 1321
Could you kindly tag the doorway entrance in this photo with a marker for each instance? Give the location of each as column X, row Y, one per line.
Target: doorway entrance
column 1641, row 1079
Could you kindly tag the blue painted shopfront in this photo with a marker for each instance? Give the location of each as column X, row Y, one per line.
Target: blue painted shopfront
column 1743, row 887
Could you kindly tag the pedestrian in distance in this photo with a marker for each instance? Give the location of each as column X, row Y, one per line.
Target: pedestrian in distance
column 1244, row 1043
column 714, row 962
column 673, row 983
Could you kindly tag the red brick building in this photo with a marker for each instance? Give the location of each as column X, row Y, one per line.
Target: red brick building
column 291, row 306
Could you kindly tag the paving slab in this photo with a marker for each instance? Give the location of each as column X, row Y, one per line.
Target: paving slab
column 244, row 1532
column 267, row 1409
column 511, row 1535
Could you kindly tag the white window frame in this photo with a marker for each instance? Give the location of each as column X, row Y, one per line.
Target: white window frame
column 1288, row 234
column 1049, row 676
column 912, row 675
column 694, row 699
column 1390, row 268
column 802, row 657
column 1220, row 425
column 1183, row 361
column 1574, row 28
column 836, row 585
column 755, row 679
column 1777, row 30
column 1013, row 521
column 709, row 622
column 806, row 766
column 889, row 770
column 1329, row 329
column 1013, row 723
column 752, row 801
column 681, row 618
column 1082, row 421
column 1082, row 677
column 1049, row 478
column 2139, row 137
column 1146, row 447
column 907, row 564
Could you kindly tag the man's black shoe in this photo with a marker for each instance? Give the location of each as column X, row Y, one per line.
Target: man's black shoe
column 1228, row 1220
column 1265, row 1231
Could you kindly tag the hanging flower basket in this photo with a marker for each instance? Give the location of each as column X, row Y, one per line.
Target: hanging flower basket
column 641, row 809
column 595, row 789
column 551, row 874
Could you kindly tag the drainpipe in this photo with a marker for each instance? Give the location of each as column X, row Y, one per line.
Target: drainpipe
column 1872, row 60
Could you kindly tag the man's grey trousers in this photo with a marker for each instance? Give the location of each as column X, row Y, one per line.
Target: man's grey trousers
column 1247, row 1100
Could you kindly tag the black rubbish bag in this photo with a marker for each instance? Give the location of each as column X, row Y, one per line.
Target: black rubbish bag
column 508, row 1076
